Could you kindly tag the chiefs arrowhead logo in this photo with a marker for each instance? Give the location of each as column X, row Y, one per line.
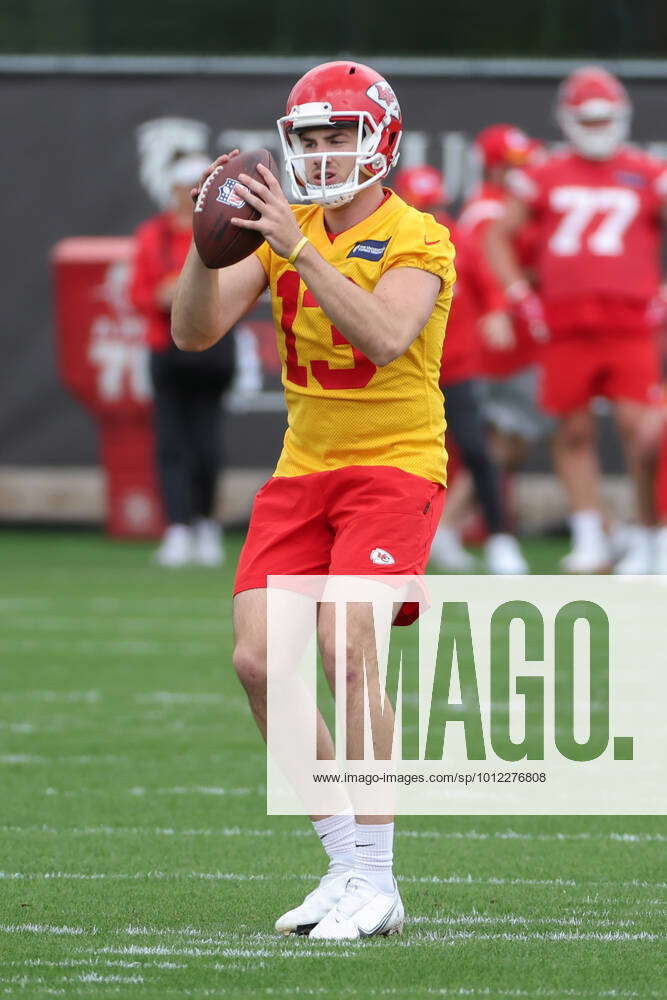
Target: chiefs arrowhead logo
column 382, row 94
column 382, row 558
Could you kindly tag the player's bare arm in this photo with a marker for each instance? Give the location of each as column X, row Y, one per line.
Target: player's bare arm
column 383, row 323
column 502, row 256
column 498, row 242
column 207, row 303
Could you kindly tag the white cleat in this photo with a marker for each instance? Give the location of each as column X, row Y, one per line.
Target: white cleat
column 639, row 556
column 448, row 553
column 317, row 903
column 362, row 911
column 503, row 557
column 590, row 558
column 208, row 547
column 176, row 547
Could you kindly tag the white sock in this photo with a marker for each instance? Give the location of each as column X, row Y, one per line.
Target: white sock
column 337, row 836
column 375, row 854
column 587, row 528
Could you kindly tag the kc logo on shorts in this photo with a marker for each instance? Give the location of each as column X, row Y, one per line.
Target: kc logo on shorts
column 382, row 558
column 369, row 249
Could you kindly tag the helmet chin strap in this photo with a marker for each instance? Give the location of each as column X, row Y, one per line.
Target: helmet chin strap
column 331, row 198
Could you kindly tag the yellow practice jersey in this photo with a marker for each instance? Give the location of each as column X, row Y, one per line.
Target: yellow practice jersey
column 341, row 409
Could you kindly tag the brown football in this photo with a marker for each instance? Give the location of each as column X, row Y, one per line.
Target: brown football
column 219, row 242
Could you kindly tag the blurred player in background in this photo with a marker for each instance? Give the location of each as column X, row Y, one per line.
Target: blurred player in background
column 476, row 314
column 359, row 485
column 509, row 370
column 599, row 207
column 187, row 388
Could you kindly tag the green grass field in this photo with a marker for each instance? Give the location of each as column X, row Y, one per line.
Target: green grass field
column 137, row 860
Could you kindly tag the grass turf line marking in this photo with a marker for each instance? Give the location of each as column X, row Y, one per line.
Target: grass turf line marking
column 237, row 831
column 259, row 877
column 26, row 758
column 606, row 936
column 68, row 697
column 139, row 791
column 45, row 929
column 136, row 647
column 65, row 623
column 73, row 963
column 518, row 920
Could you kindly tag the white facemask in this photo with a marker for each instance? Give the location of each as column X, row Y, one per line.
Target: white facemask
column 601, row 142
column 369, row 165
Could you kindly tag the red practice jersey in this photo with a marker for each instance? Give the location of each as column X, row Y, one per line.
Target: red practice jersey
column 485, row 206
column 160, row 249
column 476, row 292
column 598, row 224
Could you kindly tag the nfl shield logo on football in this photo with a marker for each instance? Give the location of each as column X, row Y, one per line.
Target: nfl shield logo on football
column 228, row 195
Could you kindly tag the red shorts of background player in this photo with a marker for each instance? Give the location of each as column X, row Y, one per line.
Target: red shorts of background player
column 598, row 347
column 334, row 523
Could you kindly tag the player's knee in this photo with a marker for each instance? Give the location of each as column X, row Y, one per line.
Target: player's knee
column 576, row 434
column 250, row 666
column 327, row 644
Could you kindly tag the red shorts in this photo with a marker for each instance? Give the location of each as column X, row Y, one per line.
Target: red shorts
column 598, row 348
column 332, row 523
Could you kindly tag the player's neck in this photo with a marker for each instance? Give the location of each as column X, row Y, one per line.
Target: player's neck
column 337, row 220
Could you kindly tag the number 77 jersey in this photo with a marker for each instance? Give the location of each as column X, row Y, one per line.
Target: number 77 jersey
column 342, row 409
column 598, row 224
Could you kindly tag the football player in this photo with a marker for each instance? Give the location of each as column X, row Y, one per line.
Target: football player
column 509, row 375
column 476, row 314
column 361, row 286
column 598, row 207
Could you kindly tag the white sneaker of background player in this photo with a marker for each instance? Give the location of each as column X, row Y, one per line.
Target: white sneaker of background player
column 362, row 911
column 176, row 546
column 591, row 549
column 640, row 552
column 448, row 553
column 317, row 903
column 208, row 543
column 503, row 556
column 621, row 536
column 660, row 547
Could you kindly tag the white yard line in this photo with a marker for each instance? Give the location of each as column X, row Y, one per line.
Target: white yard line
column 468, row 879
column 67, row 623
column 139, row 791
column 66, row 697
column 237, row 831
column 26, row 758
column 133, row 647
column 619, row 936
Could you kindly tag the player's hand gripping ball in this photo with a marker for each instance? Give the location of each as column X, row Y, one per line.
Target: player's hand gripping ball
column 219, row 242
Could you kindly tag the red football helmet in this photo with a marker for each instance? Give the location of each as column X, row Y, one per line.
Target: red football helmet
column 503, row 146
column 341, row 94
column 423, row 187
column 593, row 109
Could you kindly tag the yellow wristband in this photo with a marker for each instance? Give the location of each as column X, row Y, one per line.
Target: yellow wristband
column 297, row 249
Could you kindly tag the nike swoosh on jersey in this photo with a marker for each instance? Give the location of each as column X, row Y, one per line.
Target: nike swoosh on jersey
column 430, row 243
